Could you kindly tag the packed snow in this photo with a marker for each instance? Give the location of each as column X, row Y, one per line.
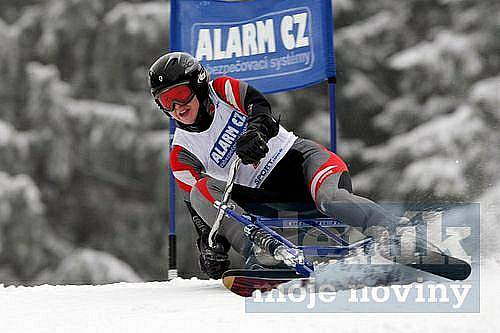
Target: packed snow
column 206, row 306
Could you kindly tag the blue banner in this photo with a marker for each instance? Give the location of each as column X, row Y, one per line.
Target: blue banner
column 274, row 45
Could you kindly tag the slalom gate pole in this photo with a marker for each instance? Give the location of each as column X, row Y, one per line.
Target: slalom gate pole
column 172, row 241
column 172, row 248
column 333, row 115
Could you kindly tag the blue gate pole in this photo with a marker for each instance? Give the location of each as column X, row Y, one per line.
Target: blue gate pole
column 172, row 253
column 333, row 115
column 172, row 241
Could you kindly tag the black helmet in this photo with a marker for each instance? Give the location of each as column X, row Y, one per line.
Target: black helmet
column 178, row 67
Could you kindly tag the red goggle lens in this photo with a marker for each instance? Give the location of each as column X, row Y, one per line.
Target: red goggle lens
column 176, row 95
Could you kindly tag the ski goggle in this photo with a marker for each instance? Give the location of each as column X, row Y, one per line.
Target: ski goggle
column 180, row 94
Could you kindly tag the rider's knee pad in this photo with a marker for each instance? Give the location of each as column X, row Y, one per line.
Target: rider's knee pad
column 337, row 188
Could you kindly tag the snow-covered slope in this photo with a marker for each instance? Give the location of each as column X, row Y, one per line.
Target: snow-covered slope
column 205, row 306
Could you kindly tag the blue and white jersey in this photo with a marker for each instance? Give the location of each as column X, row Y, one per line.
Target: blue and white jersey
column 215, row 148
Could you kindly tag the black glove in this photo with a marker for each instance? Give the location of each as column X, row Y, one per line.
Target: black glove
column 213, row 260
column 251, row 147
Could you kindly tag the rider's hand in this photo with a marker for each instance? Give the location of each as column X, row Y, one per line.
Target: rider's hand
column 251, row 147
column 213, row 260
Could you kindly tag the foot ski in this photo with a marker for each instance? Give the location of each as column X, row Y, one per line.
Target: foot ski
column 244, row 282
column 443, row 265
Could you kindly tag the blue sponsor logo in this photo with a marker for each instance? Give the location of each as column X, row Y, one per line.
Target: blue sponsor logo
column 225, row 146
column 270, row 45
column 274, row 46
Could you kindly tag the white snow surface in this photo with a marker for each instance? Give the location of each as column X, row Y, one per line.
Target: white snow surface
column 206, row 306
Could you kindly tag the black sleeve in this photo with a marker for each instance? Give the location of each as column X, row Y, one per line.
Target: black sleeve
column 255, row 103
column 259, row 113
